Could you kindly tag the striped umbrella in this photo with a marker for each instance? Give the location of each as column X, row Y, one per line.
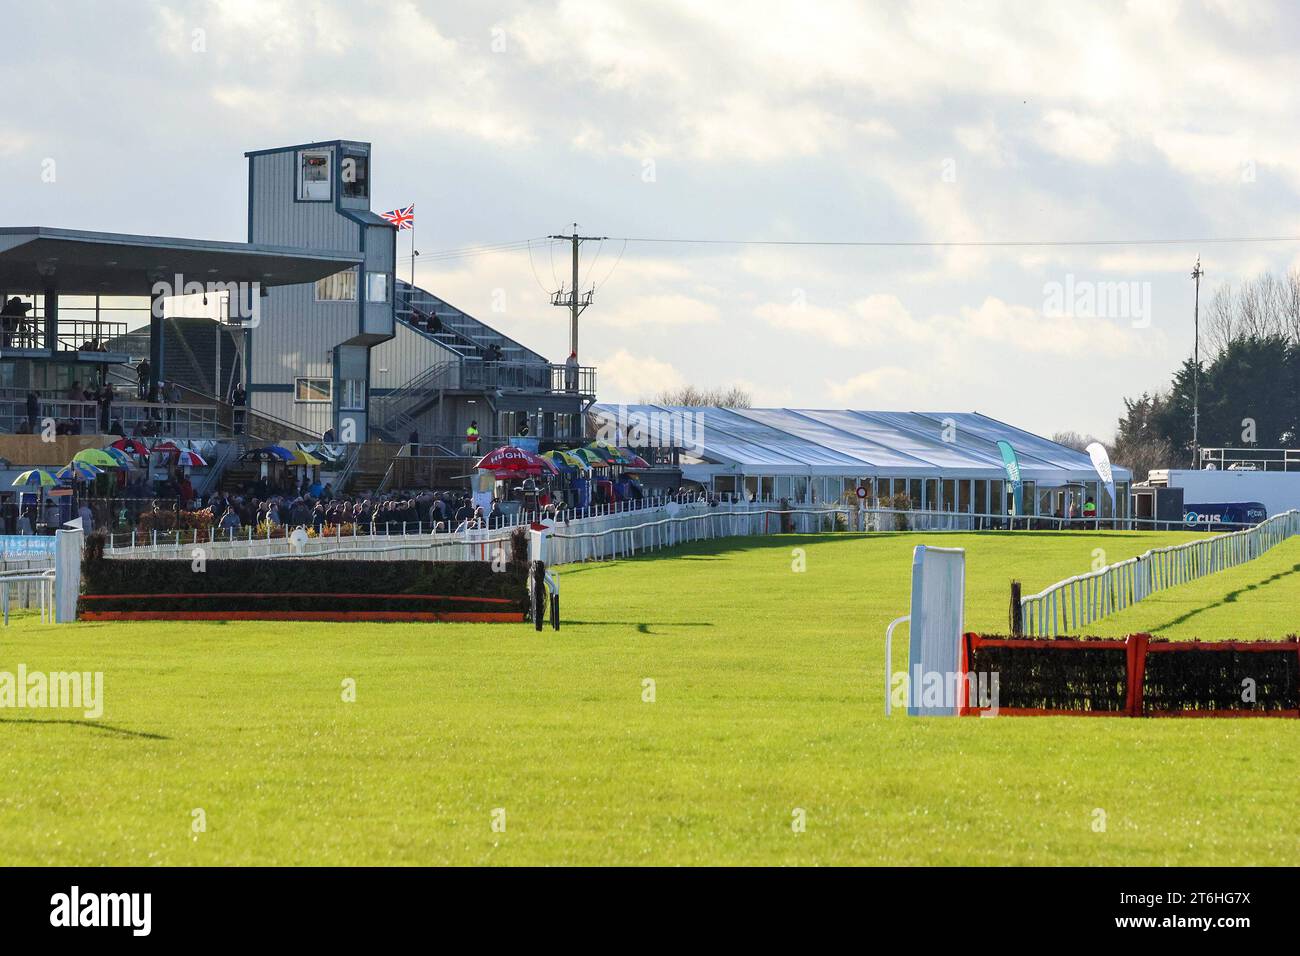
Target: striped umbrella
column 565, row 461
column 590, row 457
column 96, row 457
column 609, row 452
column 122, row 457
column 77, row 471
column 35, row 477
column 191, row 459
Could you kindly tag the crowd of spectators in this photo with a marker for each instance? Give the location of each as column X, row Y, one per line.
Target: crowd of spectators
column 106, row 418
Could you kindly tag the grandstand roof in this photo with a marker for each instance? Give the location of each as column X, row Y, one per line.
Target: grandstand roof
column 801, row 441
column 72, row 261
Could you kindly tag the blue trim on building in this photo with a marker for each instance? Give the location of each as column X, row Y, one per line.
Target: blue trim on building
column 335, row 389
column 247, row 370
column 320, row 145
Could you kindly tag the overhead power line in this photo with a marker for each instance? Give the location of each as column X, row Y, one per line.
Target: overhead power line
column 522, row 244
column 944, row 244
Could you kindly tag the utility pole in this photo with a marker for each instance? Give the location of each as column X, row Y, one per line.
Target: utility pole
column 574, row 301
column 1196, row 368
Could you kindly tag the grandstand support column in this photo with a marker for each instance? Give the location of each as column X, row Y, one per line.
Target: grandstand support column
column 51, row 321
column 155, row 340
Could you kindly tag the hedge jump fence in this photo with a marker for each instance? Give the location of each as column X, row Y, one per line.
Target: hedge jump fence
column 304, row 589
column 1137, row 676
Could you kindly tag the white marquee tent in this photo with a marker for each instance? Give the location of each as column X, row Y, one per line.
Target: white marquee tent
column 942, row 461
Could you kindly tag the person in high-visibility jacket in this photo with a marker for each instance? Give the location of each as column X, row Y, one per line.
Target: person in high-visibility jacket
column 1090, row 509
column 471, row 433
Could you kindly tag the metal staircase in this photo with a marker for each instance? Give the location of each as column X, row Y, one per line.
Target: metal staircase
column 484, row 360
column 396, row 412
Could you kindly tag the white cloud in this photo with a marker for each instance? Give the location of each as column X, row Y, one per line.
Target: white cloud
column 1017, row 328
column 666, row 309
column 884, row 385
column 987, row 142
column 816, row 322
column 1087, row 139
column 628, row 377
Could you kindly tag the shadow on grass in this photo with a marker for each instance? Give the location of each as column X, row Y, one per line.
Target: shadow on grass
column 1228, row 598
column 104, row 728
column 713, row 549
column 642, row 625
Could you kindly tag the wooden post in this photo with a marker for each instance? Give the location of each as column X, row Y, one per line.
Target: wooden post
column 1014, row 611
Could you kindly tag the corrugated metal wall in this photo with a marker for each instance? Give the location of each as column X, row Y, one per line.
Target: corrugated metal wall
column 279, row 220
column 297, row 335
column 402, row 358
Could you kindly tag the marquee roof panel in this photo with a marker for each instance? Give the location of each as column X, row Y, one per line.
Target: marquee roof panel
column 865, row 443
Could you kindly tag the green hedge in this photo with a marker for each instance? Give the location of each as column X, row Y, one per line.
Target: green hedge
column 1083, row 676
column 1092, row 675
column 448, row 583
column 1203, row 676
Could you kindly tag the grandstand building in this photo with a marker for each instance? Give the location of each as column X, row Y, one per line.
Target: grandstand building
column 307, row 315
column 939, row 461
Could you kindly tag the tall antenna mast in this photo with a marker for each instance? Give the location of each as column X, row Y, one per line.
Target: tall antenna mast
column 1196, row 368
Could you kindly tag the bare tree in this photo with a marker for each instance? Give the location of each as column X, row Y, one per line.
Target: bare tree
column 1073, row 440
column 1143, row 455
column 732, row 397
column 1261, row 307
column 1220, row 319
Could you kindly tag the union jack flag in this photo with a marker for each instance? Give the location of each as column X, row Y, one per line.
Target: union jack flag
column 401, row 218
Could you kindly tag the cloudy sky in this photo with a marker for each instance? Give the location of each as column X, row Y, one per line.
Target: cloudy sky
column 799, row 122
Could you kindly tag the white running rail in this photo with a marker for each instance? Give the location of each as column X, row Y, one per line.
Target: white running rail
column 700, row 523
column 1070, row 605
column 615, row 533
column 44, row 581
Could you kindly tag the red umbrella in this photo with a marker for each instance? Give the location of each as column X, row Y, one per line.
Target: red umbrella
column 132, row 446
column 166, row 445
column 510, row 460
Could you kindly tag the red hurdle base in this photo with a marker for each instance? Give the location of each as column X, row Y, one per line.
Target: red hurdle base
column 484, row 617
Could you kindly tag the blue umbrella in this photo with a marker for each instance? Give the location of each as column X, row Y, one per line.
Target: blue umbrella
column 35, row 476
column 77, row 471
column 268, row 453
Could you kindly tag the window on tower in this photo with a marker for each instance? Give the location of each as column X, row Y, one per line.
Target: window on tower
column 354, row 173
column 314, row 175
